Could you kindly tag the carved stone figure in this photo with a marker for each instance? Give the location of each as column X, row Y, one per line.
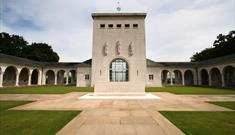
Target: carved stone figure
column 130, row 49
column 118, row 48
column 105, row 49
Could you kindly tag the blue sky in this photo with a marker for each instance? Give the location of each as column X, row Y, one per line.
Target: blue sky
column 175, row 29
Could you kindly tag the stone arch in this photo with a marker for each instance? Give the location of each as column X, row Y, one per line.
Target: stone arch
column 119, row 70
column 72, row 77
column 9, row 76
column 216, row 79
column 188, row 77
column 204, row 77
column 24, row 76
column 229, row 76
column 34, row 76
column 61, row 77
column 50, row 77
column 165, row 75
column 177, row 77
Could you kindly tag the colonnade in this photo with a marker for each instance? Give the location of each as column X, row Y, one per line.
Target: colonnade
column 26, row 76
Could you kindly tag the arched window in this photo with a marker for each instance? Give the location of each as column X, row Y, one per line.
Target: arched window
column 118, row 71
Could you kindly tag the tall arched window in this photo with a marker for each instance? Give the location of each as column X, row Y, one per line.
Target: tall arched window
column 118, row 71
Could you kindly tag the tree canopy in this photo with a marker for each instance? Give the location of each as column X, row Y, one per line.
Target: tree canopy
column 223, row 45
column 16, row 45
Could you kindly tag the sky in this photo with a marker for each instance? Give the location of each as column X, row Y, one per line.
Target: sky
column 175, row 29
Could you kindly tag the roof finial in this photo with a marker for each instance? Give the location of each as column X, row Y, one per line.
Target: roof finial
column 118, row 6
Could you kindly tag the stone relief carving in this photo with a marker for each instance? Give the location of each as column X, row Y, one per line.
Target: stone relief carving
column 130, row 48
column 105, row 49
column 118, row 48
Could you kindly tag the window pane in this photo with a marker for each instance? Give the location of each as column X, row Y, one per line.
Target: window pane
column 119, row 70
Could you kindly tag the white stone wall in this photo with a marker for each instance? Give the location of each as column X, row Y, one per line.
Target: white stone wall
column 156, row 72
column 81, row 72
column 110, row 37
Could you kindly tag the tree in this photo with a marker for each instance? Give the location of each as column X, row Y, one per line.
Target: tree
column 16, row 45
column 12, row 45
column 223, row 45
column 41, row 52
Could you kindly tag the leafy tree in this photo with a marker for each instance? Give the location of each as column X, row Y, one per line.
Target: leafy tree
column 12, row 45
column 223, row 45
column 41, row 52
column 16, row 45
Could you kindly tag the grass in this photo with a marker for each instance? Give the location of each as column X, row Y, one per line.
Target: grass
column 203, row 123
column 44, row 90
column 226, row 104
column 67, row 89
column 191, row 90
column 4, row 105
column 23, row 122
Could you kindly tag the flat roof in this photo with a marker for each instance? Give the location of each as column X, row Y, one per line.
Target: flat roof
column 118, row 15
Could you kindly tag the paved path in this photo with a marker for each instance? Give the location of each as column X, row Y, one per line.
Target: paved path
column 117, row 117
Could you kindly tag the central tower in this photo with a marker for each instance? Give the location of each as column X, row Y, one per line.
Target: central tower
column 119, row 53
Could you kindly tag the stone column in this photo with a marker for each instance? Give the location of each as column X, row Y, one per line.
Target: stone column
column 183, row 78
column 29, row 78
column 1, row 78
column 43, row 78
column 171, row 78
column 199, row 78
column 17, row 79
column 67, row 78
column 209, row 78
column 222, row 79
column 39, row 77
column 77, row 80
column 56, row 77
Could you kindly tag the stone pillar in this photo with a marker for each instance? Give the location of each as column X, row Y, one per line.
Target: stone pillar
column 39, row 77
column 67, row 78
column 43, row 78
column 199, row 78
column 56, row 77
column 222, row 79
column 195, row 77
column 171, row 78
column 29, row 78
column 77, row 80
column 17, row 79
column 1, row 78
column 209, row 79
column 183, row 78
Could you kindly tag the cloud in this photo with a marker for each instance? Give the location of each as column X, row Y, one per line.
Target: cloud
column 174, row 29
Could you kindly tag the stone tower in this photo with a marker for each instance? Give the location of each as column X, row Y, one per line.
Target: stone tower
column 119, row 53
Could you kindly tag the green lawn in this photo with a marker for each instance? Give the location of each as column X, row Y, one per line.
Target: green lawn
column 191, row 90
column 23, row 122
column 44, row 90
column 4, row 105
column 203, row 123
column 227, row 104
column 67, row 89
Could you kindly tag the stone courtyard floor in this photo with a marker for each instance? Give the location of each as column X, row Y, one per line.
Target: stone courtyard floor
column 115, row 117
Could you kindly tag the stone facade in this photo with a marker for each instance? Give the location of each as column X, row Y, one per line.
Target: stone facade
column 122, row 36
